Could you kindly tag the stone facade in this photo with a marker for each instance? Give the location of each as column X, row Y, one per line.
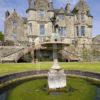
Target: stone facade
column 75, row 26
column 15, row 28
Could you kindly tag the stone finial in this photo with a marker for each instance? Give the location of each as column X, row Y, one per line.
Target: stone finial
column 68, row 1
column 68, row 6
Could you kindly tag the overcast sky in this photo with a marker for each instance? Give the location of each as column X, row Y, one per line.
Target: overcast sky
column 22, row 5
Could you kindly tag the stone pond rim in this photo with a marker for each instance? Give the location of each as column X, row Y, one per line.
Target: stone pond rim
column 8, row 79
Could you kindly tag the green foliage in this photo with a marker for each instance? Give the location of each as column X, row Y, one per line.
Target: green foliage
column 33, row 90
column 75, row 11
column 1, row 36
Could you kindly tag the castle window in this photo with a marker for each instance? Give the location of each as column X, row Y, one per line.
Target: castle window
column 82, row 17
column 30, row 28
column 14, row 36
column 14, row 29
column 14, row 24
column 82, row 30
column 42, row 29
column 61, row 17
column 62, row 31
column 41, row 13
column 77, row 30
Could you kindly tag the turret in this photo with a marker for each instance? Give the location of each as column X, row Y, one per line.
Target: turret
column 31, row 4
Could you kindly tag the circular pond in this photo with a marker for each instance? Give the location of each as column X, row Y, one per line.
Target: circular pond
column 77, row 89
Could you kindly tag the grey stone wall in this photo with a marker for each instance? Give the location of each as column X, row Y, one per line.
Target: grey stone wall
column 15, row 28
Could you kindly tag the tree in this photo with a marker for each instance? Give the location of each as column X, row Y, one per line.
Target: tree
column 1, row 36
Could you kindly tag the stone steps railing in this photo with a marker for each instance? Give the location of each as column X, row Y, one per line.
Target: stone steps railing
column 9, row 51
column 15, row 55
column 14, row 76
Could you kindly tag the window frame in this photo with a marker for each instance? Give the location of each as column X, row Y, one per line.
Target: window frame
column 42, row 13
column 61, row 17
column 82, row 30
column 42, row 28
column 62, row 31
column 14, row 24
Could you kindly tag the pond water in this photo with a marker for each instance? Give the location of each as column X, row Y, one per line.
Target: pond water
column 98, row 94
column 3, row 96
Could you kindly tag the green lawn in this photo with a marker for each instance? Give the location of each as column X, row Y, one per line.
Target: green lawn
column 11, row 68
column 33, row 90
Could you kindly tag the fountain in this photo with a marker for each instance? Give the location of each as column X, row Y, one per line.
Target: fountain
column 56, row 75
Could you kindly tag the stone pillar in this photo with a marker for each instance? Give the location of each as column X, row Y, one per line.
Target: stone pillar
column 32, row 54
column 55, row 57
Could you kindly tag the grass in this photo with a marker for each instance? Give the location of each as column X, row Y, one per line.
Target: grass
column 32, row 90
column 12, row 68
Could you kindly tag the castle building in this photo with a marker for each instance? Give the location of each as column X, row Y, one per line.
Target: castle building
column 75, row 26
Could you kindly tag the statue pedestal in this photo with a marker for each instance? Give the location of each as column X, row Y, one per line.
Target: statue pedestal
column 56, row 79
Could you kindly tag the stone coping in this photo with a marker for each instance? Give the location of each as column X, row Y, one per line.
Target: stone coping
column 20, row 75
